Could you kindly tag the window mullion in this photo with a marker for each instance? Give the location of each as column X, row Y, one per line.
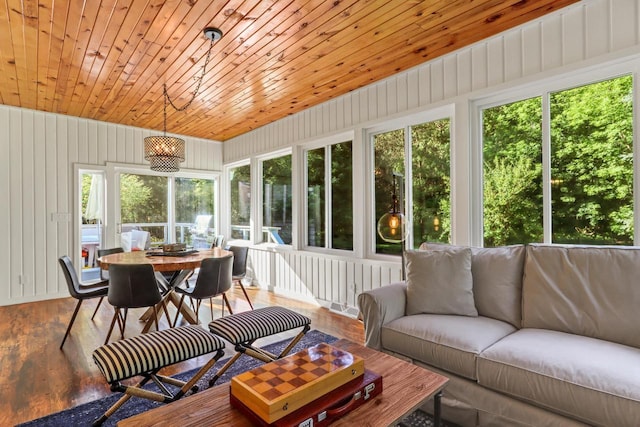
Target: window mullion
column 408, row 188
column 328, row 197
column 546, row 169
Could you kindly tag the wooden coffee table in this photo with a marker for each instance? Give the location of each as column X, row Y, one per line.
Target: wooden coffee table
column 405, row 387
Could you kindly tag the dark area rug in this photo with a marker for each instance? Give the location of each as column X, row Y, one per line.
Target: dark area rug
column 85, row 414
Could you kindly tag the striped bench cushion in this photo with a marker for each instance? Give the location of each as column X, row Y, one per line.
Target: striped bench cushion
column 144, row 353
column 250, row 325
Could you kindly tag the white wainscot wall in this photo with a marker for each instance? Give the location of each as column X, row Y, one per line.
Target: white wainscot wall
column 39, row 151
column 319, row 278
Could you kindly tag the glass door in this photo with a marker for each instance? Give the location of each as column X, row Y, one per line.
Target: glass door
column 92, row 196
column 144, row 211
column 155, row 210
column 195, row 212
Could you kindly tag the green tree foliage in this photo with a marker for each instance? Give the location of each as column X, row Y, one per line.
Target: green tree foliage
column 592, row 163
column 591, row 167
column 430, row 182
column 507, row 207
column 276, row 180
column 512, row 196
column 194, row 197
column 315, row 197
column 135, row 199
column 240, row 205
column 389, row 160
column 342, row 196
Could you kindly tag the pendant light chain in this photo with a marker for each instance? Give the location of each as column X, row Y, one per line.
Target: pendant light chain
column 195, row 92
column 165, row 153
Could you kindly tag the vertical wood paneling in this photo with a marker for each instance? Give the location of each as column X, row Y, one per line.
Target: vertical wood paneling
column 574, row 47
column 15, row 203
column 479, row 79
column 424, row 85
column 28, row 183
column 495, row 61
column 413, row 96
column 551, row 46
column 5, row 188
column 37, row 183
column 450, row 78
column 512, row 45
column 624, row 15
column 465, row 72
column 437, row 82
column 51, row 238
column 40, row 204
column 598, row 27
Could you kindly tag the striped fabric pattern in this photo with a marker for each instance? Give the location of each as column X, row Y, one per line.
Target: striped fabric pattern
column 262, row 322
column 133, row 356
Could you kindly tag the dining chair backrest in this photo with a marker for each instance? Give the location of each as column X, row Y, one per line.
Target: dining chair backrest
column 104, row 274
column 214, row 278
column 239, row 260
column 70, row 276
column 133, row 285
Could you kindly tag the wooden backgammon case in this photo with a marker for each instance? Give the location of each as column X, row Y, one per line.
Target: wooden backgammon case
column 320, row 373
column 326, row 409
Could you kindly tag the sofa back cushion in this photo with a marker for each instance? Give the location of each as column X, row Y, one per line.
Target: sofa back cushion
column 586, row 290
column 497, row 280
column 440, row 282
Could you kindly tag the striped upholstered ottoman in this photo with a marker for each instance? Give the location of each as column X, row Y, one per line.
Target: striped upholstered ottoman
column 243, row 329
column 144, row 355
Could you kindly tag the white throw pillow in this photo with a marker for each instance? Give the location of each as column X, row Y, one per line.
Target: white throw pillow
column 440, row 282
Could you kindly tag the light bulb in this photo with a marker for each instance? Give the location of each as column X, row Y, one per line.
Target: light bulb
column 394, row 222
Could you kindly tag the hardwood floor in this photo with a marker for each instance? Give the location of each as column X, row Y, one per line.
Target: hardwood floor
column 37, row 378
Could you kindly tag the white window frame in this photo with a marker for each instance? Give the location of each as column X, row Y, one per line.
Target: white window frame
column 226, row 184
column 113, row 200
column 543, row 89
column 257, row 211
column 326, row 144
column 441, row 113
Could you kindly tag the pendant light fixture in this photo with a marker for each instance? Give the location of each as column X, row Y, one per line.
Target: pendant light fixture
column 393, row 226
column 165, row 153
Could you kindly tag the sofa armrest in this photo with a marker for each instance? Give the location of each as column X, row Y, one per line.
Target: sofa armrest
column 379, row 307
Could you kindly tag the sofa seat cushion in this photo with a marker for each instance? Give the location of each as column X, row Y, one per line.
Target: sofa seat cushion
column 589, row 379
column 448, row 342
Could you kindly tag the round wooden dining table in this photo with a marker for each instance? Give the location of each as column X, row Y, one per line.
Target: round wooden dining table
column 182, row 264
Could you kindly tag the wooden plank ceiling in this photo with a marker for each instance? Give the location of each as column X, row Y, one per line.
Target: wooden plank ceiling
column 108, row 59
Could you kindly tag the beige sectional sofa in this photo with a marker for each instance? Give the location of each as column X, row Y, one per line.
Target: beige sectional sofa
column 535, row 335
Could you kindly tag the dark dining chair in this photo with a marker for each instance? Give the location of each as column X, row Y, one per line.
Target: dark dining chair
column 214, row 278
column 104, row 274
column 240, row 254
column 80, row 291
column 132, row 286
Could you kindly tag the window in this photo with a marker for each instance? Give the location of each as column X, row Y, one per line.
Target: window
column 430, row 182
column 240, row 179
column 276, row 200
column 389, row 157
column 512, row 150
column 330, row 183
column 195, row 212
column 429, row 179
column 589, row 194
column 145, row 205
